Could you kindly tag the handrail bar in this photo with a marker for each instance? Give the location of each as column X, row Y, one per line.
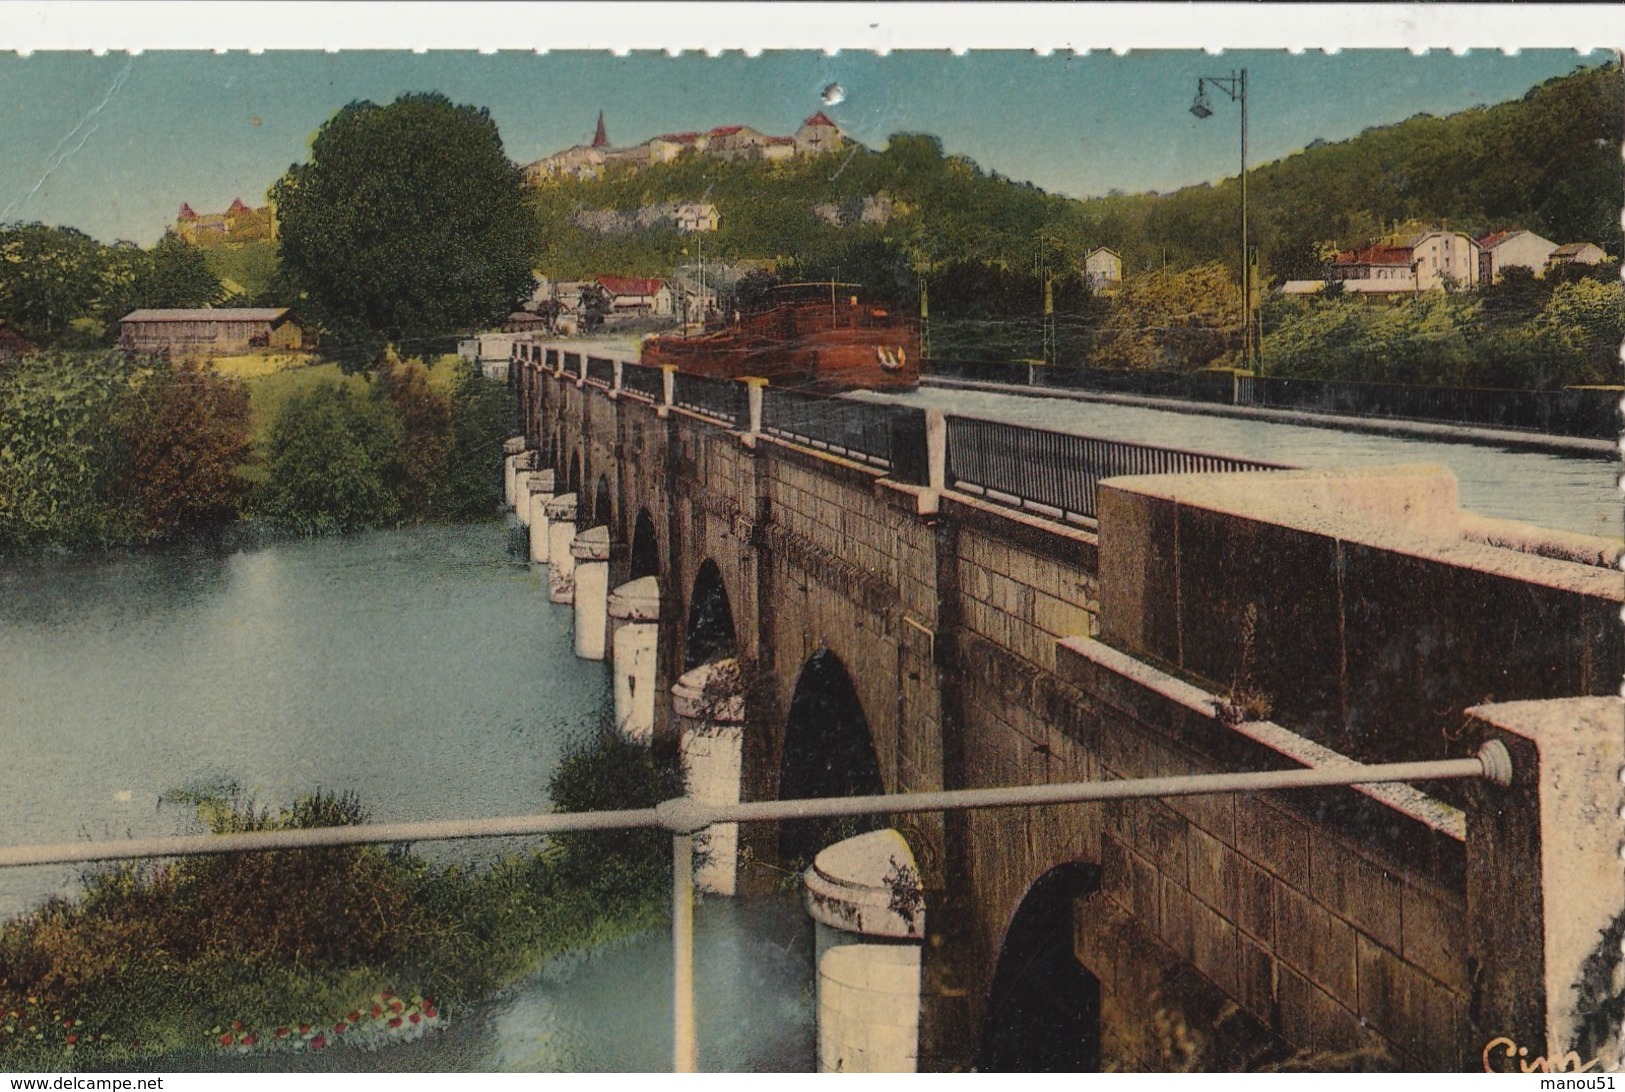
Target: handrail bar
column 685, row 817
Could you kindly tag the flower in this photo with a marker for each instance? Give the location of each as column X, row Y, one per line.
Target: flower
column 338, row 1028
column 430, row 1011
column 394, row 1021
column 281, row 1033
column 250, row 1039
column 304, row 1029
column 72, row 1039
column 318, row 1043
column 414, row 1018
column 377, row 1011
column 226, row 1039
column 355, row 1017
column 396, row 1006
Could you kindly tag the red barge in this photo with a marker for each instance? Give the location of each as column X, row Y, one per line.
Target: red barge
column 818, row 336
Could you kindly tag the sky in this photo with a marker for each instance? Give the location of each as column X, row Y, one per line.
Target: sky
column 113, row 144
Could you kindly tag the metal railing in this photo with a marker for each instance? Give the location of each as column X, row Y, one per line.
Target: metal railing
column 723, row 399
column 685, row 817
column 601, row 371
column 1056, row 473
column 644, row 380
column 861, row 431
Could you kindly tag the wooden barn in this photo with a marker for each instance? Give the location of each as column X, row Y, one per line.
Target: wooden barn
column 210, row 330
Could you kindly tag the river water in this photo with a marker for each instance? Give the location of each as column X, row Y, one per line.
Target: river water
column 1561, row 492
column 423, row 669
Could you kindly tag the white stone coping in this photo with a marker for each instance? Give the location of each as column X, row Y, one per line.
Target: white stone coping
column 591, row 544
column 541, row 481
column 711, row 693
column 513, row 445
column 562, row 508
column 867, row 885
column 636, row 601
column 1413, row 803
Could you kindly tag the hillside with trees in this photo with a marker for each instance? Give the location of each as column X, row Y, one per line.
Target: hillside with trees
column 983, row 245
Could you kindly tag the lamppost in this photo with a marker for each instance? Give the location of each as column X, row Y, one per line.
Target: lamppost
column 1235, row 86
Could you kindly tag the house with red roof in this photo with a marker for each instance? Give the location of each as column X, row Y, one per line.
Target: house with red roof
column 1433, row 259
column 637, row 297
column 1500, row 250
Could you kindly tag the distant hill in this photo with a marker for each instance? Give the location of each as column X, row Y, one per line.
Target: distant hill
column 1549, row 162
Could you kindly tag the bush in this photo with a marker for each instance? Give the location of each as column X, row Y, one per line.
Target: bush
column 61, row 450
column 483, row 415
column 228, row 951
column 425, row 416
column 331, row 462
column 186, row 433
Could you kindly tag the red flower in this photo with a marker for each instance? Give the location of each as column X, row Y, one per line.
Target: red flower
column 394, row 1021
column 338, row 1028
column 318, row 1043
column 377, row 1011
column 72, row 1039
column 236, row 1025
column 387, row 996
column 396, row 1006
column 250, row 1039
column 430, row 1012
column 281, row 1033
column 304, row 1029
column 414, row 1018
column 225, row 1040
column 355, row 1017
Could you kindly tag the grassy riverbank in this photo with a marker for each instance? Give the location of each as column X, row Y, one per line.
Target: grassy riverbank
column 309, row 949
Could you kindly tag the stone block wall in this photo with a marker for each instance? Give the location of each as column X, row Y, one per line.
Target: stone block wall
column 1332, row 940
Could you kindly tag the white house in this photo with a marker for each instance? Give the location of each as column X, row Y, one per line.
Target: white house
column 696, row 218
column 1444, row 259
column 1103, row 268
column 1501, row 250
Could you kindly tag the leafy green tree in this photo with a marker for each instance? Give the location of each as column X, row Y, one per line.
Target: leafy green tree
column 482, row 416
column 1172, row 320
column 61, row 450
column 408, row 222
column 331, row 462
column 174, row 273
column 49, row 278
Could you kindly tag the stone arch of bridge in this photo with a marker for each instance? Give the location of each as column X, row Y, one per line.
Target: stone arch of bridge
column 710, row 633
column 1043, row 1008
column 828, row 751
column 645, row 547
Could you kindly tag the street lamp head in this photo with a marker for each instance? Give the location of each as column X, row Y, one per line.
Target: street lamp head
column 1199, row 105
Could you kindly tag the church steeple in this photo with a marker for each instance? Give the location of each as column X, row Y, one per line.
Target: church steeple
column 600, row 139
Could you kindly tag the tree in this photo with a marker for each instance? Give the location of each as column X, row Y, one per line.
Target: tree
column 49, row 277
column 173, row 273
column 425, row 416
column 330, row 460
column 186, row 433
column 408, row 222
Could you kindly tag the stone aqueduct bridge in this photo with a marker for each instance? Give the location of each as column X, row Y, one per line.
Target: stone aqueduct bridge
column 850, row 597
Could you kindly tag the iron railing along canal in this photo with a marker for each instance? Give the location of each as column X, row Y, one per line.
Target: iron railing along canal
column 1057, row 473
column 685, row 817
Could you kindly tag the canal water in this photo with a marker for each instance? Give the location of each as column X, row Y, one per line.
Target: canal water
column 1565, row 493
column 422, row 669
